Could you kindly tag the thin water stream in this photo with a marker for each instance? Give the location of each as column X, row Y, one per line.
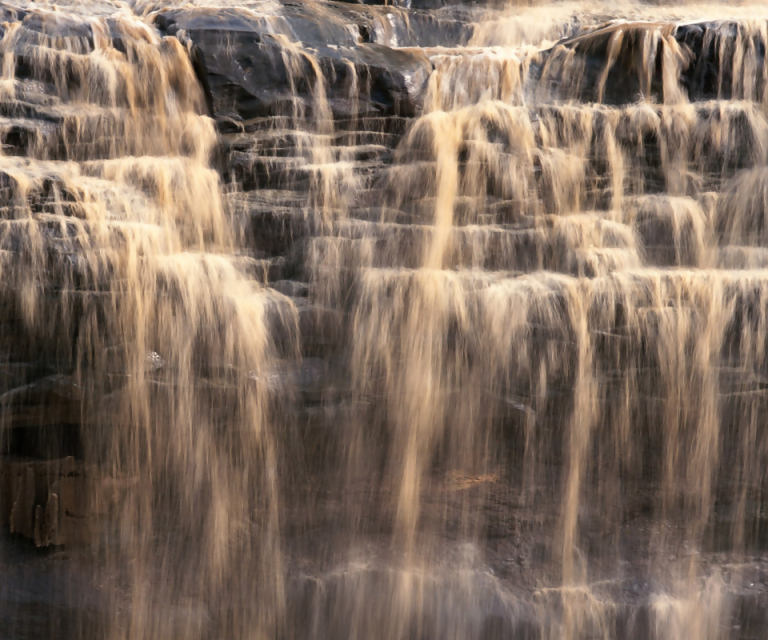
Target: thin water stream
column 411, row 322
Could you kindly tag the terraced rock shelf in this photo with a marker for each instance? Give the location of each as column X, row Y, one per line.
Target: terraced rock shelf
column 325, row 320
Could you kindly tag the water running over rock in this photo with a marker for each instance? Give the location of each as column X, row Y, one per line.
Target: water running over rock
column 422, row 321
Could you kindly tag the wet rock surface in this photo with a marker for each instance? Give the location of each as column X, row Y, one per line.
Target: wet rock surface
column 250, row 74
column 600, row 259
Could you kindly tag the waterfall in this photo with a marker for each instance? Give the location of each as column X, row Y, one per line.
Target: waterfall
column 406, row 321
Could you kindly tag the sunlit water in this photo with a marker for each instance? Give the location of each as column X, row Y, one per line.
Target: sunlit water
column 508, row 382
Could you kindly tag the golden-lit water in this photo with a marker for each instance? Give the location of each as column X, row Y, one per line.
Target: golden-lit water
column 541, row 327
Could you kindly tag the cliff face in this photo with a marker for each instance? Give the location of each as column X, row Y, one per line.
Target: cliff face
column 325, row 320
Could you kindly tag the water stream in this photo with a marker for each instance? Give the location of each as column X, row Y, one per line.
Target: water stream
column 329, row 321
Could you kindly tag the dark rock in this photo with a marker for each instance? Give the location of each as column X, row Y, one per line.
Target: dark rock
column 320, row 329
column 601, row 70
column 250, row 73
column 52, row 25
column 49, row 501
column 612, row 73
column 713, row 45
column 291, row 288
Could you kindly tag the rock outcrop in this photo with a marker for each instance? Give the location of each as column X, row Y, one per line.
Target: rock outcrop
column 403, row 284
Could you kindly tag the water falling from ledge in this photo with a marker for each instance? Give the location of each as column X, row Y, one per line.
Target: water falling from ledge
column 326, row 320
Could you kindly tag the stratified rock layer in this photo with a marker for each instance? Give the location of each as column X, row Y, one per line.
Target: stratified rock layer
column 330, row 320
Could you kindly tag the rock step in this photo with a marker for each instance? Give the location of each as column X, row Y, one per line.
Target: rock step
column 580, row 245
column 600, row 64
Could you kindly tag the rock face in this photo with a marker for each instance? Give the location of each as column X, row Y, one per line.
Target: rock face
column 442, row 320
column 50, row 502
column 253, row 70
column 624, row 62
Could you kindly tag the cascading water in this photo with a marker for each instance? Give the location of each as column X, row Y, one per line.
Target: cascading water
column 326, row 320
